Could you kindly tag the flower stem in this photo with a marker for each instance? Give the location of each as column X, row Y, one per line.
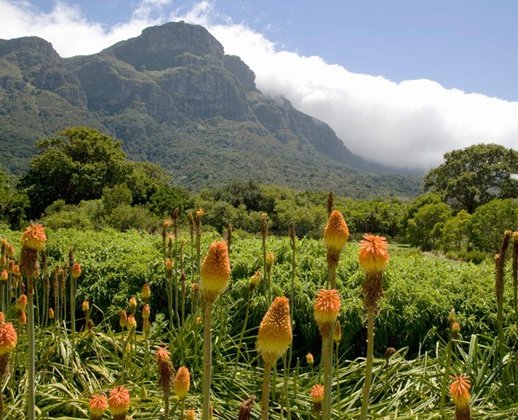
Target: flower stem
column 368, row 365
column 207, row 359
column 444, row 385
column 327, row 357
column 265, row 395
column 31, row 402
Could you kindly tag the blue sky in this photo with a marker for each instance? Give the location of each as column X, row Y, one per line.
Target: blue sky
column 401, row 82
column 467, row 44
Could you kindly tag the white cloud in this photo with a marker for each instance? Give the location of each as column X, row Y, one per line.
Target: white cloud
column 410, row 124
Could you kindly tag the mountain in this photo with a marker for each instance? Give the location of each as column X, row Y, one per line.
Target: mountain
column 173, row 97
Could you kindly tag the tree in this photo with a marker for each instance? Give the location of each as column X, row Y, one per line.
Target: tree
column 489, row 222
column 82, row 163
column 475, row 175
column 425, row 229
column 13, row 203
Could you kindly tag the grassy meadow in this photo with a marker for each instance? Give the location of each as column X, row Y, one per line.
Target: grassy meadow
column 408, row 380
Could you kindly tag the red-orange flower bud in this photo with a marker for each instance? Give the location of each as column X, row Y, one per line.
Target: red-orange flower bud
column 34, row 237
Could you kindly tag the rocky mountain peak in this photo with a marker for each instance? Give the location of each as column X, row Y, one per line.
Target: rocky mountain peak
column 162, row 47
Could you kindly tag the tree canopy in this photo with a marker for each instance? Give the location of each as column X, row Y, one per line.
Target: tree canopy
column 475, row 175
column 80, row 164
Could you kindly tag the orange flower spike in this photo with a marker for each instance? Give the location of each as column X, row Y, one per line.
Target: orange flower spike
column 310, row 360
column 190, row 415
column 98, row 405
column 119, row 401
column 373, row 255
column 327, row 306
column 182, row 382
column 215, row 270
column 336, row 232
column 274, row 334
column 34, row 237
column 459, row 390
column 165, row 369
column 8, row 336
column 51, row 313
column 132, row 304
column 123, row 319
column 9, row 250
column 146, row 291
column 85, row 306
column 76, row 270
column 317, row 393
column 131, row 322
column 146, row 311
column 22, row 318
column 21, row 304
column 255, row 280
column 4, row 275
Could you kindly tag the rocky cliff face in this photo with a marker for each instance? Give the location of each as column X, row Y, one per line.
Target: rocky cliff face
column 171, row 81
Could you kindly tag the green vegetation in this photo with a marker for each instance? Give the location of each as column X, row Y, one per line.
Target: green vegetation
column 475, row 175
column 413, row 318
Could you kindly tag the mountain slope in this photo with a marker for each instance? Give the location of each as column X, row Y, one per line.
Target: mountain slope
column 174, row 97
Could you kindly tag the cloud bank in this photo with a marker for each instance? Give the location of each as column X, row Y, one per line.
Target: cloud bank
column 409, row 124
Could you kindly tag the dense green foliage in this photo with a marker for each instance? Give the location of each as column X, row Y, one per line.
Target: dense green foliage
column 420, row 291
column 475, row 175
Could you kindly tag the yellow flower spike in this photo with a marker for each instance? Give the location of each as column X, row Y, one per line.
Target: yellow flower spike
column 310, row 360
column 132, row 304
column 274, row 334
column 182, row 382
column 336, row 233
column 146, row 291
column 85, row 306
column 123, row 319
column 215, row 271
column 146, row 311
column 131, row 322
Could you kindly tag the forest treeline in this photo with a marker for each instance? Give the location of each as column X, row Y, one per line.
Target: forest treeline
column 82, row 178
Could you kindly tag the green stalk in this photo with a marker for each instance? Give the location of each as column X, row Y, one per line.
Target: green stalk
column 515, row 276
column 265, row 394
column 182, row 409
column 331, row 276
column 265, row 273
column 368, row 366
column 444, row 385
column 337, row 371
column 286, row 376
column 169, row 278
column 207, row 359
column 175, row 277
column 31, row 402
column 327, row 356
column 292, row 297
